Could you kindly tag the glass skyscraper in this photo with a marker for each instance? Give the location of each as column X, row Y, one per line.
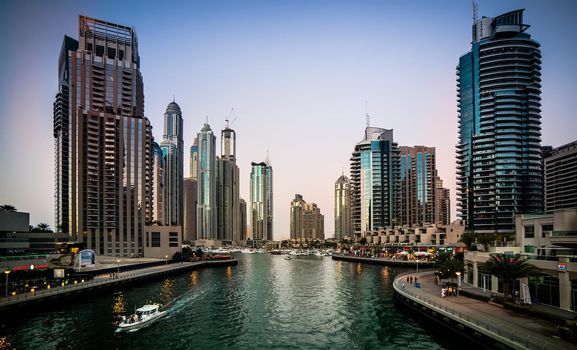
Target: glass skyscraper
column 173, row 150
column 206, row 212
column 158, row 194
column 499, row 104
column 418, row 173
column 375, row 180
column 261, row 204
column 343, row 208
column 103, row 141
column 228, row 196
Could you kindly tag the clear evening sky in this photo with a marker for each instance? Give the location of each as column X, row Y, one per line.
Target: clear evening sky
column 297, row 73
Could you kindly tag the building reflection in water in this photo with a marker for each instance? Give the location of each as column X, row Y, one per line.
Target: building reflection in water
column 167, row 291
column 194, row 278
column 359, row 267
column 118, row 307
column 228, row 272
column 386, row 272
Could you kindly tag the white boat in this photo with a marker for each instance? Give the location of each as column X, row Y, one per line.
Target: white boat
column 143, row 317
column 287, row 258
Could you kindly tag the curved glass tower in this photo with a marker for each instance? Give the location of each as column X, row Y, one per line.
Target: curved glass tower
column 342, row 208
column 206, row 205
column 173, row 149
column 499, row 104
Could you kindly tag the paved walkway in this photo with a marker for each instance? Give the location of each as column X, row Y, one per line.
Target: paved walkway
column 526, row 331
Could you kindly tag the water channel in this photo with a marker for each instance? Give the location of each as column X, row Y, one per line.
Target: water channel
column 266, row 302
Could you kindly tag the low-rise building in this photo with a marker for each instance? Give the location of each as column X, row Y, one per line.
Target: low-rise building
column 161, row 242
column 434, row 234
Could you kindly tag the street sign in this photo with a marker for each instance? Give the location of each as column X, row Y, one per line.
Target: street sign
column 562, row 267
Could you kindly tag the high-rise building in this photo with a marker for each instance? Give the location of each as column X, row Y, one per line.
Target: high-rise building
column 243, row 222
column 228, row 197
column 206, row 213
column 442, row 203
column 261, row 205
column 190, row 204
column 499, row 103
column 193, row 173
column 296, row 217
column 561, row 177
column 158, row 194
column 343, row 228
column 313, row 222
column 375, row 181
column 172, row 145
column 417, row 198
column 103, row 141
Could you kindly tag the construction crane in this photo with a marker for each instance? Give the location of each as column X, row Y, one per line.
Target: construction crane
column 227, row 121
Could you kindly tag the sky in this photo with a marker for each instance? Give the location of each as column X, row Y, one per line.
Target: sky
column 299, row 75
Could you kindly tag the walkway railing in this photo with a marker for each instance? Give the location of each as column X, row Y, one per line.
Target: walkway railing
column 512, row 336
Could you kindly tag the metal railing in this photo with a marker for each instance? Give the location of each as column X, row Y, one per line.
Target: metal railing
column 492, row 327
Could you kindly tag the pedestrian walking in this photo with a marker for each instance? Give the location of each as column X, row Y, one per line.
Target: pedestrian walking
column 407, row 279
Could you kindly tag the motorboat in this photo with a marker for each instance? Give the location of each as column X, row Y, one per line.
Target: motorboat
column 143, row 317
column 287, row 258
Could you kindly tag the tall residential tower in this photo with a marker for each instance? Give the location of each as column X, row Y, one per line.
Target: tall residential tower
column 343, row 228
column 206, row 213
column 261, row 208
column 103, row 141
column 172, row 146
column 499, row 103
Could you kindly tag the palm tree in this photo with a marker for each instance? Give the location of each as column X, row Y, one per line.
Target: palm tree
column 7, row 207
column 509, row 267
column 43, row 227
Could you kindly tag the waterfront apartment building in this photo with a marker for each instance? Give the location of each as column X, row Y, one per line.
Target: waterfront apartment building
column 499, row 105
column 243, row 222
column 343, row 227
column 561, row 177
column 418, row 173
column 442, row 203
column 190, row 203
column 306, row 220
column 102, row 140
column 228, row 196
column 158, row 194
column 206, row 213
column 261, row 201
column 375, row 181
column 172, row 146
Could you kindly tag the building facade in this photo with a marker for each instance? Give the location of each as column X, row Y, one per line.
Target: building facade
column 343, row 227
column 158, row 193
column 313, row 222
column 418, row 187
column 172, row 146
column 206, row 212
column 442, row 203
column 296, row 217
column 261, row 201
column 499, row 104
column 375, row 181
column 561, row 177
column 190, row 204
column 243, row 221
column 228, row 187
column 103, row 141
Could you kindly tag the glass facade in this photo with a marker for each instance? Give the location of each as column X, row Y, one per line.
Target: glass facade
column 261, row 199
column 206, row 203
column 173, row 150
column 343, row 228
column 499, row 153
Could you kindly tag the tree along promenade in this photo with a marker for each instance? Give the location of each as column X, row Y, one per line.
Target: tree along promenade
column 106, row 280
column 474, row 317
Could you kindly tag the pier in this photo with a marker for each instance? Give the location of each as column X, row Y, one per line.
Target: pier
column 105, row 281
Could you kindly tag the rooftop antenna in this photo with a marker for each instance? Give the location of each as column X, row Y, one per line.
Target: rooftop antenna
column 267, row 160
column 367, row 115
column 173, row 98
column 207, row 119
column 475, row 11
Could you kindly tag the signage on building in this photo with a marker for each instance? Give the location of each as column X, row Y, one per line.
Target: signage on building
column 87, row 257
column 562, row 267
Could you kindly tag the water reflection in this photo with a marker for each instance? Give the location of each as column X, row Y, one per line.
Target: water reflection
column 194, row 278
column 5, row 344
column 228, row 272
column 118, row 308
column 359, row 268
column 167, row 291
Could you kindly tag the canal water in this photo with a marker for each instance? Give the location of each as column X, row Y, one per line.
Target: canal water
column 266, row 302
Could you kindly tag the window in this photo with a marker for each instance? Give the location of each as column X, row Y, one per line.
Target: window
column 529, row 231
column 155, row 239
column 546, row 230
column 529, row 249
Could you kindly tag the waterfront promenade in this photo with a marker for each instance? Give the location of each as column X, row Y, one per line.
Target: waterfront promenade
column 384, row 261
column 503, row 326
column 106, row 280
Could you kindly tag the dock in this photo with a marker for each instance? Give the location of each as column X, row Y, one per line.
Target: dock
column 103, row 282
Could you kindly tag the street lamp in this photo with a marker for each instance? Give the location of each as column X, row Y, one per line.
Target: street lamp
column 118, row 265
column 7, row 272
column 417, row 265
column 458, row 273
column 166, row 260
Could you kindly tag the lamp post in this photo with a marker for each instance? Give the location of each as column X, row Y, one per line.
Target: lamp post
column 118, row 265
column 417, row 265
column 6, row 272
column 458, row 281
column 166, row 259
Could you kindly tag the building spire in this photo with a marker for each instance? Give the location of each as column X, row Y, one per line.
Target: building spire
column 367, row 114
column 267, row 159
column 475, row 11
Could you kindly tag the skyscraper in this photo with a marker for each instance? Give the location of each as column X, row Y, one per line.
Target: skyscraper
column 228, row 197
column 343, row 228
column 313, row 222
column 375, row 180
column 261, row 205
column 296, row 217
column 103, row 141
column 158, row 194
column 243, row 221
column 191, row 196
column 206, row 213
column 442, row 203
column 499, row 103
column 418, row 174
column 173, row 149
